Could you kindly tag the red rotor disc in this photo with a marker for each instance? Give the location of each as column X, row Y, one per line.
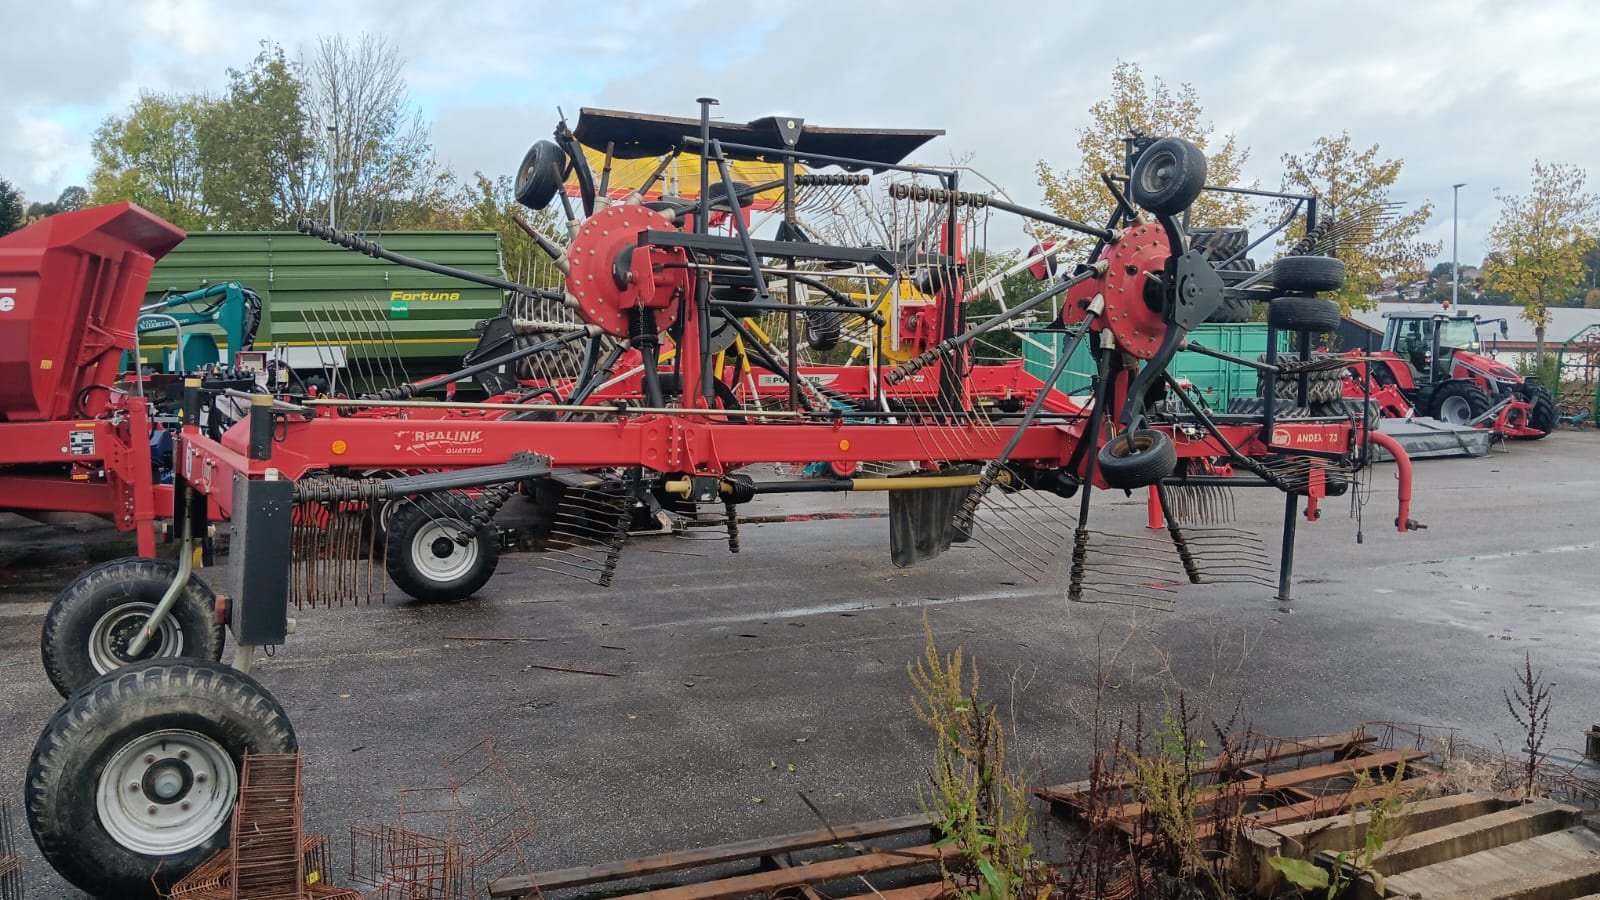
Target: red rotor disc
column 1138, row 328
column 591, row 280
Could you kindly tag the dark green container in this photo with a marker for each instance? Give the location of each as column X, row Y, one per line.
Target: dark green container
column 1215, row 380
column 315, row 293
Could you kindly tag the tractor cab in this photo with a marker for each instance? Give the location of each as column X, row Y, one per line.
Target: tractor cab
column 1434, row 364
column 1429, row 343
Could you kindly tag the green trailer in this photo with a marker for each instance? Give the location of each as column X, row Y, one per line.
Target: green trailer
column 1214, row 380
column 327, row 307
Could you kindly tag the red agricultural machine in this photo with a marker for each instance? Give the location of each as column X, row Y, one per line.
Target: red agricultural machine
column 70, row 440
column 1435, row 365
column 673, row 358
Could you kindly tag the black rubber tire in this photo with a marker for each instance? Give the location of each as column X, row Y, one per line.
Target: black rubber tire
column 1135, row 459
column 1308, row 274
column 79, row 615
column 824, row 329
column 1257, row 406
column 1235, row 307
column 1311, row 314
column 539, row 176
column 1345, row 408
column 1476, row 400
column 64, row 773
column 408, row 574
column 1168, row 176
column 1219, row 243
column 1326, row 385
column 1544, row 415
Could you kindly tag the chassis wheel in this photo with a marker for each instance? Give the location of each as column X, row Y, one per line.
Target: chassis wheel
column 1311, row 314
column 136, row 776
column 88, row 628
column 424, row 557
column 1459, row 402
column 1168, row 176
column 1137, row 459
column 539, row 176
column 1308, row 274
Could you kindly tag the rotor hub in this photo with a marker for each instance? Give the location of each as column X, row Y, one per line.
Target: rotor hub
column 1131, row 262
column 611, row 272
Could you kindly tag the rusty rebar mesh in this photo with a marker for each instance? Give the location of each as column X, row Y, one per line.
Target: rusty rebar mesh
column 10, row 862
column 337, row 554
column 451, row 840
column 267, row 829
column 211, row 880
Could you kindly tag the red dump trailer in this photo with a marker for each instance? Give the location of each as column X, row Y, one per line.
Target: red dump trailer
column 70, row 438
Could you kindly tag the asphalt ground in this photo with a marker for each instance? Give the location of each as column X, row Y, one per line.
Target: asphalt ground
column 733, row 683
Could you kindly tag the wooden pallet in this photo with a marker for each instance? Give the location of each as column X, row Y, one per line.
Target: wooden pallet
column 1272, row 783
column 1474, row 846
column 847, row 853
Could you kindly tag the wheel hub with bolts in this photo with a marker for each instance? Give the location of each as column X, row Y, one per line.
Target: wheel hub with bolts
column 166, row 792
column 438, row 552
column 111, row 634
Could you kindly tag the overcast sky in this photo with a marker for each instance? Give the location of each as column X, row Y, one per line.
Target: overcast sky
column 1464, row 91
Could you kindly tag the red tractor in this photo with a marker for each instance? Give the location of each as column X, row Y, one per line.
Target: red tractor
column 1433, row 364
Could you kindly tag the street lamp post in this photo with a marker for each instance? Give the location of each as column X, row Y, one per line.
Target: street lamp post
column 1455, row 244
column 333, row 167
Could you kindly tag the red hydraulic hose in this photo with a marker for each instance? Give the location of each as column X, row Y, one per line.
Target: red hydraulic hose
column 1403, row 473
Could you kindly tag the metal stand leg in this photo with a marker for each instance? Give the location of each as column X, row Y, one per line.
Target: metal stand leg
column 1291, row 514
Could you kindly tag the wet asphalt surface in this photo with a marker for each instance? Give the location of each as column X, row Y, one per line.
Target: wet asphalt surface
column 722, row 672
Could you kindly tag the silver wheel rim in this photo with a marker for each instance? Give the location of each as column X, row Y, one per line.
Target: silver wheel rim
column 108, row 639
column 166, row 792
column 436, row 554
column 1455, row 410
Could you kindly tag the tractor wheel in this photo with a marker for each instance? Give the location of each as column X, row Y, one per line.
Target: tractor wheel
column 1459, row 402
column 1136, row 459
column 1311, row 314
column 425, row 560
column 1308, row 274
column 1349, row 409
column 1168, row 176
column 1325, row 385
column 1235, row 307
column 539, row 177
column 135, row 778
column 88, row 628
column 1219, row 243
column 1257, row 406
column 1544, row 415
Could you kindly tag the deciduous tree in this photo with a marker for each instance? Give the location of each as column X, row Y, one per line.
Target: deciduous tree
column 152, row 157
column 255, row 148
column 378, row 167
column 1348, row 180
column 1537, row 248
column 11, row 209
column 1148, row 107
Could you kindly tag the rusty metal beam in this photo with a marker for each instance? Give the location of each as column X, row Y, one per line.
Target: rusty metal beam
column 521, row 886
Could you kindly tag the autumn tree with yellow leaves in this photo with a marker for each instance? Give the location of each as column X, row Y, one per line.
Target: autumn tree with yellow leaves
column 1536, row 250
column 1348, row 182
column 1148, row 107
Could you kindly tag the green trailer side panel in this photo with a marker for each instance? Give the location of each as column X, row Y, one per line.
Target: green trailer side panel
column 1215, row 380
column 317, row 293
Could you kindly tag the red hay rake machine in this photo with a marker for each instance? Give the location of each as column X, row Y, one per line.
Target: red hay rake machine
column 687, row 343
